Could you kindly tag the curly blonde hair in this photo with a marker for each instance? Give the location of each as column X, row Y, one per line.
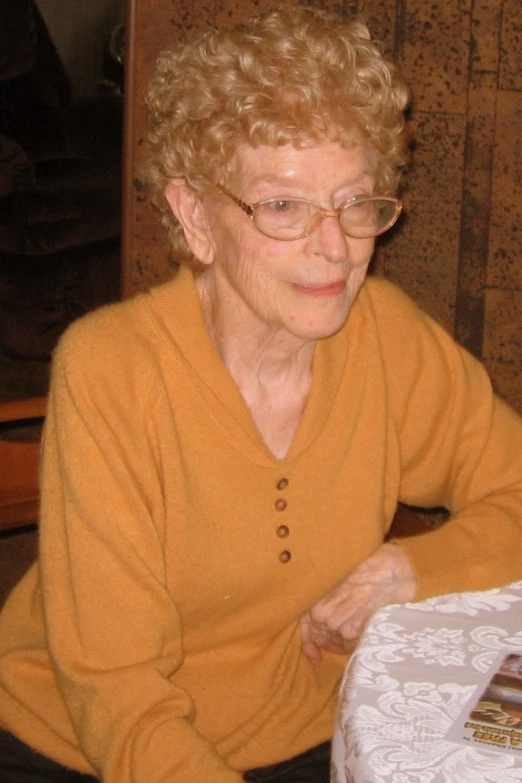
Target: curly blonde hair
column 290, row 75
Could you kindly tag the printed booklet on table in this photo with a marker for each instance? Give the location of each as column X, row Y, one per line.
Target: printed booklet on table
column 492, row 716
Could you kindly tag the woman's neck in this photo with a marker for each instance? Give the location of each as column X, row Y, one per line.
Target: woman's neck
column 271, row 368
column 260, row 354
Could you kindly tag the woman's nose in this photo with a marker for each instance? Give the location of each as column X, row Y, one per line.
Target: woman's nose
column 331, row 241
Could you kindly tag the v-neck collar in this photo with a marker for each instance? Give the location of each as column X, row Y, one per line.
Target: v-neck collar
column 179, row 307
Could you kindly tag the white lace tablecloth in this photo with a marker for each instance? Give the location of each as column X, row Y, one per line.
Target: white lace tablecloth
column 412, row 674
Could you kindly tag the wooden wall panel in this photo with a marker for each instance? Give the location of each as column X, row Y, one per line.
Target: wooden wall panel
column 511, row 45
column 432, row 202
column 503, row 342
column 505, row 238
column 379, row 15
column 503, row 293
column 434, row 50
column 458, row 251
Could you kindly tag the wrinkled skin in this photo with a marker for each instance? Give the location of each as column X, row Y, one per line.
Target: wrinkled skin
column 336, row 622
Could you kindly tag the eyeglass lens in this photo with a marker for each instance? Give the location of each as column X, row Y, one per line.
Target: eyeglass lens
column 288, row 219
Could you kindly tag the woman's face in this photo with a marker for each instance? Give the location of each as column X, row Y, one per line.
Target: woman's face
column 302, row 288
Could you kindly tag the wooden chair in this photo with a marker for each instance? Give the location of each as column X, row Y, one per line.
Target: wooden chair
column 19, row 462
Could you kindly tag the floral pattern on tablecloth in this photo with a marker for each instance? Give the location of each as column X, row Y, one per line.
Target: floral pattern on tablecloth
column 412, row 673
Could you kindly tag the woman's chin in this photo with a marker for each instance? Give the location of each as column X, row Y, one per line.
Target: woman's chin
column 317, row 327
column 318, row 315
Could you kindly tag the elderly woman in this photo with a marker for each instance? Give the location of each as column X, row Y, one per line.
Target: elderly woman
column 223, row 456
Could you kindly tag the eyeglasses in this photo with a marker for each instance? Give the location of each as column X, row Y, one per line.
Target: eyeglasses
column 360, row 217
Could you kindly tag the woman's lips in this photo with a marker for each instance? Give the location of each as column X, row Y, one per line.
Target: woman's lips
column 331, row 289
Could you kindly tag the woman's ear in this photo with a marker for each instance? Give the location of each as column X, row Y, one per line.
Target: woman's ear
column 188, row 208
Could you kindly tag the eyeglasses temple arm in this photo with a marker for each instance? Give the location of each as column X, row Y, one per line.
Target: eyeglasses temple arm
column 245, row 207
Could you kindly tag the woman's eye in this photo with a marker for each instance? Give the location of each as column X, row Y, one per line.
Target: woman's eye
column 281, row 206
column 362, row 204
column 361, row 198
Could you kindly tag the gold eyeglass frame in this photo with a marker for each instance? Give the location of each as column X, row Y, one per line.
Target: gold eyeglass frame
column 250, row 210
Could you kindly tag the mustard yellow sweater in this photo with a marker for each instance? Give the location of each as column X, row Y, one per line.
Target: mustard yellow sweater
column 157, row 638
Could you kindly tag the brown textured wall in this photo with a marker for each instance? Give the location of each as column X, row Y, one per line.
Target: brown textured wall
column 458, row 252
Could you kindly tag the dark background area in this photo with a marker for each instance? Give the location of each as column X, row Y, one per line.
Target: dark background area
column 61, row 121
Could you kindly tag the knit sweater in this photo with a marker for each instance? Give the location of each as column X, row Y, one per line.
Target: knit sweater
column 157, row 639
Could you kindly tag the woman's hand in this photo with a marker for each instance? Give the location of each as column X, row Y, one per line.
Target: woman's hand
column 336, row 622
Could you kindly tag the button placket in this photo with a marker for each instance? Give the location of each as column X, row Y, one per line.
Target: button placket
column 282, row 531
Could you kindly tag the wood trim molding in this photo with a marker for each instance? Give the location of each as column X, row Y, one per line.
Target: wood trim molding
column 17, row 410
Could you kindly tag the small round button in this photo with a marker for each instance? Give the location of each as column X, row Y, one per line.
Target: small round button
column 280, row 504
column 282, row 484
column 285, row 556
column 282, row 531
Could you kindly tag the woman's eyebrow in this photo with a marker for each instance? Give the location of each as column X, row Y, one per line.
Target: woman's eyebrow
column 289, row 179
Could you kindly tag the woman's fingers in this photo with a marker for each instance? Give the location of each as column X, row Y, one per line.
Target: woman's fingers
column 336, row 622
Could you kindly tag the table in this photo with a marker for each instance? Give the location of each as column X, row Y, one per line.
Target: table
column 411, row 675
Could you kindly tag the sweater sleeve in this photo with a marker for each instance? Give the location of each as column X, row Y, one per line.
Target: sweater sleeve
column 460, row 447
column 113, row 631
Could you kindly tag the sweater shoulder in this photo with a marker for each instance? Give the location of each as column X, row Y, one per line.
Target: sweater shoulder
column 112, row 352
column 122, row 332
column 399, row 320
column 110, row 327
column 386, row 299
column 415, row 349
